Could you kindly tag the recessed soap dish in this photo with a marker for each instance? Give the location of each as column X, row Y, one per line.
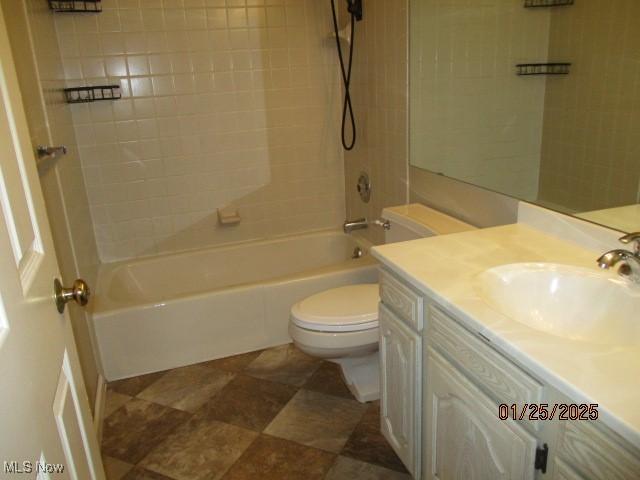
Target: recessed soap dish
column 229, row 216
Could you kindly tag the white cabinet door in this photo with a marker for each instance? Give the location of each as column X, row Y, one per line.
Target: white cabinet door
column 400, row 362
column 564, row 472
column 464, row 437
column 45, row 424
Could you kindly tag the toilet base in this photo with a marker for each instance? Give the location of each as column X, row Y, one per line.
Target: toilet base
column 362, row 376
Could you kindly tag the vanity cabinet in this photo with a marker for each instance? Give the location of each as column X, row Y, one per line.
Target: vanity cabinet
column 465, row 382
column 401, row 319
column 441, row 387
column 464, row 436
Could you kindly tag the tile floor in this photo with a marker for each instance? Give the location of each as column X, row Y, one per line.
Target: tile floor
column 274, row 414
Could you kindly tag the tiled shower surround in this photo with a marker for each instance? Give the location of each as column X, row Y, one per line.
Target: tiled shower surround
column 380, row 94
column 224, row 103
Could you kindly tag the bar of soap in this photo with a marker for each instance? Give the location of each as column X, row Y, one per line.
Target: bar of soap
column 228, row 216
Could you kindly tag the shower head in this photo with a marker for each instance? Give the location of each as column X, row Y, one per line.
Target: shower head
column 355, row 8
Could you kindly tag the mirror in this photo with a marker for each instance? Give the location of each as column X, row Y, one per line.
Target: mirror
column 536, row 99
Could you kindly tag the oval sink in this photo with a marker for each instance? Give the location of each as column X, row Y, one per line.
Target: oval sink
column 566, row 301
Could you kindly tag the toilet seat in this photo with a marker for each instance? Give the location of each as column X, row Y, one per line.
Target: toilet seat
column 352, row 308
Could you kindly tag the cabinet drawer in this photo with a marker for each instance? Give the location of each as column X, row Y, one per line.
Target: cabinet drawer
column 597, row 455
column 406, row 303
column 502, row 380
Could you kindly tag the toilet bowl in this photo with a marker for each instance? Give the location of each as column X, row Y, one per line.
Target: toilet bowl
column 341, row 324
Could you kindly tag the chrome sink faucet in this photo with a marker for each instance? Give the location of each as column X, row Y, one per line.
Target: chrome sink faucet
column 630, row 266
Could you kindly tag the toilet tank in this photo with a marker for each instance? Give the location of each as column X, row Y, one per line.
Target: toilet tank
column 413, row 221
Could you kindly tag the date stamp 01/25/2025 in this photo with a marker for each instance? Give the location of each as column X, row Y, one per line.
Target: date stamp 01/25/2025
column 545, row 411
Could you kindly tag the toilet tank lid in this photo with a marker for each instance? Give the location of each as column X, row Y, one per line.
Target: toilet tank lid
column 425, row 221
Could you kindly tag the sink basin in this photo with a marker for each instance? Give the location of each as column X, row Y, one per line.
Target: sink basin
column 566, row 301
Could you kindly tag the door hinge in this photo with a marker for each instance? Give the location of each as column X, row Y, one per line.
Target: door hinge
column 541, row 458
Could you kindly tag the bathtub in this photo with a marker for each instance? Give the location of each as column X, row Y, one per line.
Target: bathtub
column 169, row 311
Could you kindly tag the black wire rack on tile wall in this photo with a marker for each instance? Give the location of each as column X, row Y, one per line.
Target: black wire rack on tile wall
column 76, row 6
column 524, row 69
column 547, row 3
column 92, row 94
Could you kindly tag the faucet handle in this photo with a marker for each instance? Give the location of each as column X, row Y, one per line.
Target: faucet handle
column 632, row 238
column 384, row 223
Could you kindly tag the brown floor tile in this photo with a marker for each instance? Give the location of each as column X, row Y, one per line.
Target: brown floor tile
column 317, row 420
column 369, row 445
column 140, row 473
column 200, row 449
column 115, row 469
column 114, row 401
column 134, row 385
column 133, row 430
column 350, row 469
column 236, row 363
column 186, row 388
column 270, row 458
column 328, row 379
column 248, row 402
column 284, row 364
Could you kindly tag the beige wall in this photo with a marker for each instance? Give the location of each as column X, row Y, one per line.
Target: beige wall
column 379, row 93
column 223, row 105
column 591, row 154
column 39, row 67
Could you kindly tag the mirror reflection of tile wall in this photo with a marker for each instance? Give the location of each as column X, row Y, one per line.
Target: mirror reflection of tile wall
column 590, row 148
column 566, row 142
column 472, row 118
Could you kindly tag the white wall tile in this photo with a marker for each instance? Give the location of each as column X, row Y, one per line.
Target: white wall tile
column 213, row 100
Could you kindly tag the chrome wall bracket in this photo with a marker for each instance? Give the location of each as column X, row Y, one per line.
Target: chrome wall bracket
column 50, row 153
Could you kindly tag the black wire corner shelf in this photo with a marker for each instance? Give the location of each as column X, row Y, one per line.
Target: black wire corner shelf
column 76, row 6
column 547, row 3
column 526, row 69
column 92, row 94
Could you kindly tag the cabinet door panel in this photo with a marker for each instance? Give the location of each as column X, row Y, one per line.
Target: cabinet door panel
column 464, row 438
column 400, row 354
column 564, row 472
column 596, row 454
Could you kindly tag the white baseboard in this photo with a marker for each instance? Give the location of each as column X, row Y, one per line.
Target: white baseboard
column 98, row 408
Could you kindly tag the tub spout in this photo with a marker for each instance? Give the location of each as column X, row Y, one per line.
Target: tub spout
column 351, row 225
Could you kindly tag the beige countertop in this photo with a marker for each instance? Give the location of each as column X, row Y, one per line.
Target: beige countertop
column 446, row 267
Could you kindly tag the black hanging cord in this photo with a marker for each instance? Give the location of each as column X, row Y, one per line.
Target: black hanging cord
column 347, row 109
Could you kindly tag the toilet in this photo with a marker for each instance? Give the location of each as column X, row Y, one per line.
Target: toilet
column 341, row 324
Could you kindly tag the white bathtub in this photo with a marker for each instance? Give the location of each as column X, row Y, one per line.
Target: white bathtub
column 173, row 310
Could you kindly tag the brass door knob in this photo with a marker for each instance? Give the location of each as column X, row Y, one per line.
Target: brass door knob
column 78, row 293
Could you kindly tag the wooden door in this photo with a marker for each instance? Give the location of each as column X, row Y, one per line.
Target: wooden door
column 46, row 428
